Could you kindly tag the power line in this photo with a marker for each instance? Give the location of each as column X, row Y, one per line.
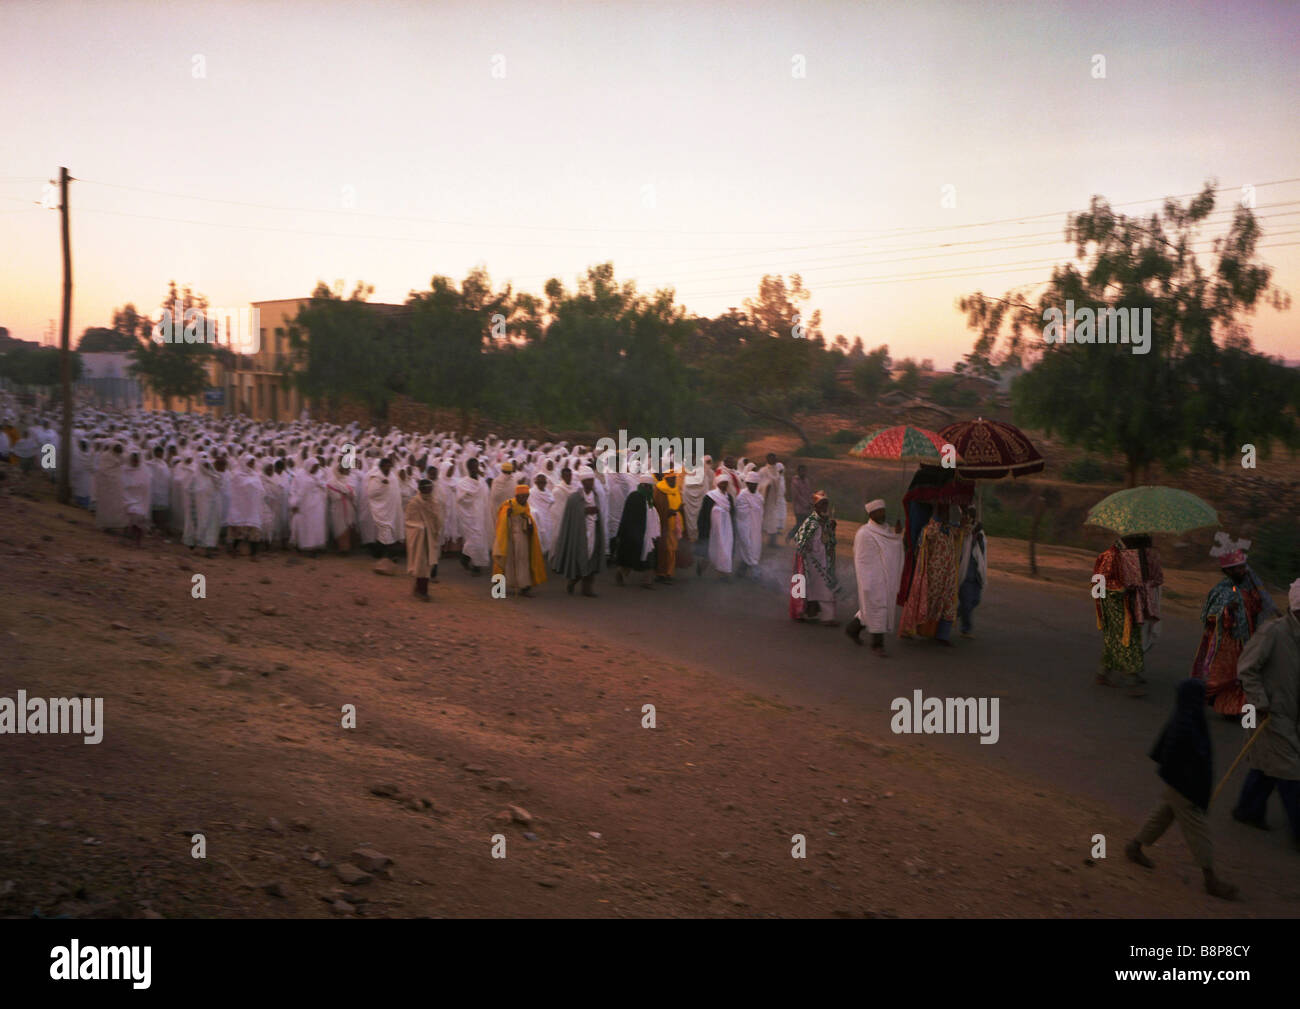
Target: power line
column 1023, row 266
column 707, row 231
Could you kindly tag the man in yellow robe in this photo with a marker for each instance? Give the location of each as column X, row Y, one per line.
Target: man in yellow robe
column 672, row 524
column 516, row 547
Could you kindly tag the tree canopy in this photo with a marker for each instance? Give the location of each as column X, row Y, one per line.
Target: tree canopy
column 1198, row 388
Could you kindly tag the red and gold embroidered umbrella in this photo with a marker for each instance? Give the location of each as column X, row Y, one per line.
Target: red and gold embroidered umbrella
column 992, row 449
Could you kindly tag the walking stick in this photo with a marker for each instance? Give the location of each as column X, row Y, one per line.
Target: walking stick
column 1249, row 743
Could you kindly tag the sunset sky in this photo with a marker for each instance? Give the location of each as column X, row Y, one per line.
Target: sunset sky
column 389, row 142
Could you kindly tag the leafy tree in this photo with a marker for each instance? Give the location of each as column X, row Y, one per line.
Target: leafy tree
column 769, row 362
column 450, row 334
column 347, row 349
column 909, row 378
column 947, row 391
column 1200, row 388
column 129, row 322
column 613, row 355
column 97, row 339
column 178, row 369
column 871, row 377
column 36, row 366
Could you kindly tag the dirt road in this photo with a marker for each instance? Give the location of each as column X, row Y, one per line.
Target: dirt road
column 480, row 720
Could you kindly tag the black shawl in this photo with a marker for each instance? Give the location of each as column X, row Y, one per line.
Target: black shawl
column 1183, row 750
column 631, row 532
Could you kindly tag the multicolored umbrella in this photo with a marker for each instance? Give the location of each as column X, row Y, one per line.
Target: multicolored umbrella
column 903, row 443
column 1151, row 510
column 992, row 449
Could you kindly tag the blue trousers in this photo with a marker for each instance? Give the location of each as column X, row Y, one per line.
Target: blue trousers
column 1253, row 800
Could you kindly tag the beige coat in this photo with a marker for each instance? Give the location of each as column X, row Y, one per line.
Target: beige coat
column 1269, row 669
column 424, row 521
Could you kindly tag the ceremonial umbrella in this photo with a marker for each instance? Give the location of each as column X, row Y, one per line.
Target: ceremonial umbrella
column 992, row 449
column 1151, row 510
column 902, row 442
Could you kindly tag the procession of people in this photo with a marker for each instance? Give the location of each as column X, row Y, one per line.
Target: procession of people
column 522, row 511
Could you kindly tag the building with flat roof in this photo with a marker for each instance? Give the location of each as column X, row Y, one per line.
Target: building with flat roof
column 255, row 385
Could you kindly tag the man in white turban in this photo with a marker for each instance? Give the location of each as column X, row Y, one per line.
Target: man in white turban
column 580, row 539
column 748, row 510
column 714, row 542
column 245, row 518
column 772, row 487
column 307, row 507
column 878, row 564
column 384, row 495
column 473, row 518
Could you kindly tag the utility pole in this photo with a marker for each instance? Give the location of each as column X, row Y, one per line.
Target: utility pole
column 65, row 359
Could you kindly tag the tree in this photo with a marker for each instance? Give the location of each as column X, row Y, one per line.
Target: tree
column 769, row 362
column 614, row 356
column 450, row 334
column 97, row 339
column 1185, row 394
column 347, row 349
column 129, row 322
column 909, row 378
column 871, row 377
column 180, row 368
column 36, row 366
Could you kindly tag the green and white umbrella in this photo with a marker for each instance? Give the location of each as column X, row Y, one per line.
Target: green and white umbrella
column 1151, row 510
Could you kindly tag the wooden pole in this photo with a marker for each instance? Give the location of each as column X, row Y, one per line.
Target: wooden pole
column 65, row 359
column 1249, row 743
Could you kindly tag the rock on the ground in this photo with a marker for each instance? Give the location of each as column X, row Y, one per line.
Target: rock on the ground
column 351, row 875
column 370, row 859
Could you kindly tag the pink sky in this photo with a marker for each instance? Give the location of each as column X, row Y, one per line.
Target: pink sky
column 671, row 138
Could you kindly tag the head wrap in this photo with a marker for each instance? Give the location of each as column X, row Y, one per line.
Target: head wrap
column 585, row 473
column 523, row 488
column 876, row 505
column 1293, row 595
column 1232, row 558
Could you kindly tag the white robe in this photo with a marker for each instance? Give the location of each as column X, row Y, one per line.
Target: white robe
column 83, row 471
column 270, row 506
column 720, row 533
column 245, row 498
column 307, row 526
column 773, row 490
column 384, row 496
column 878, row 564
column 473, row 521
column 181, row 475
column 560, row 492
column 159, row 484
column 749, row 527
column 203, row 518
column 341, row 494
column 365, row 523
column 135, row 493
column 542, row 504
column 110, row 509
column 445, row 491
column 698, row 482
